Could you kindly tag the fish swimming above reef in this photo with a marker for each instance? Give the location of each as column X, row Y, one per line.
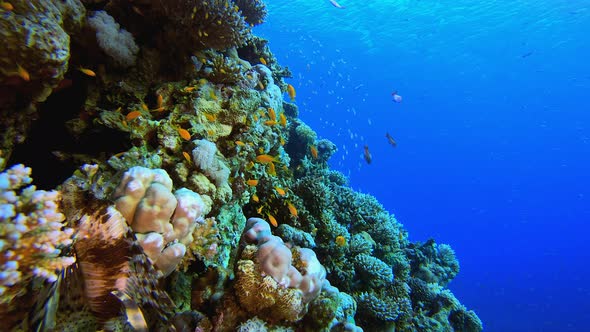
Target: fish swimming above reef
column 336, row 4
column 367, row 155
column 390, row 140
column 397, row 98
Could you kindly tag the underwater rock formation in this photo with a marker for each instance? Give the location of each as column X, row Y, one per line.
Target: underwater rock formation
column 181, row 130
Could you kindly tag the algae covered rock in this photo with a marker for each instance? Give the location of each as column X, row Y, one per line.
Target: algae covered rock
column 36, row 38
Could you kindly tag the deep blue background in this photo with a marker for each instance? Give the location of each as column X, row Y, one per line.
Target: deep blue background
column 493, row 135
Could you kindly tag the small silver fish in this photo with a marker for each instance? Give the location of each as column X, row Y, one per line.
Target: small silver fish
column 336, row 4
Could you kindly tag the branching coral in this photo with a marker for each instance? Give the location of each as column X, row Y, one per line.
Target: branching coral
column 31, row 233
column 206, row 24
column 253, row 11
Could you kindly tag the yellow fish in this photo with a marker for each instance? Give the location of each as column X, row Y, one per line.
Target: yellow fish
column 255, row 198
column 263, row 61
column 340, row 241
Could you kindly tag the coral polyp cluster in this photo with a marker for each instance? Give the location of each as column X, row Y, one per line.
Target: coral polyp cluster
column 32, row 235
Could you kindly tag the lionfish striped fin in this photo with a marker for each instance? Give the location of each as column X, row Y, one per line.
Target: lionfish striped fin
column 132, row 311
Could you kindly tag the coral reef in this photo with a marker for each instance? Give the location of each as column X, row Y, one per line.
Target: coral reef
column 176, row 130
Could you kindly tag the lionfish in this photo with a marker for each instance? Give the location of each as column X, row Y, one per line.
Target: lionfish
column 111, row 275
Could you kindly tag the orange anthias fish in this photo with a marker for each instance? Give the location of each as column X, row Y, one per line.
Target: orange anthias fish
column 280, row 191
column 314, row 151
column 252, row 182
column 292, row 209
column 391, row 140
column 186, row 156
column 6, row 6
column 210, row 117
column 87, row 71
column 132, row 115
column 184, row 134
column 271, row 114
column 23, row 73
column 367, row 154
column 265, row 158
column 271, row 169
column 272, row 220
column 283, row 120
column 291, row 92
column 240, row 143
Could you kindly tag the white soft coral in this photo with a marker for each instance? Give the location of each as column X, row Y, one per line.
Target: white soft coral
column 115, row 41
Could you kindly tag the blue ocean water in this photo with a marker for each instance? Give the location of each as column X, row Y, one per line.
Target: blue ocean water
column 493, row 135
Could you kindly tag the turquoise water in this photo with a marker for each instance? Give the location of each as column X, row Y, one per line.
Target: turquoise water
column 493, row 135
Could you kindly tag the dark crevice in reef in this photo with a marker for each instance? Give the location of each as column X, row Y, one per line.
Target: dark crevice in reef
column 49, row 139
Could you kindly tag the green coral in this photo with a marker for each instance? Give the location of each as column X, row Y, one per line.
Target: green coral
column 373, row 270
